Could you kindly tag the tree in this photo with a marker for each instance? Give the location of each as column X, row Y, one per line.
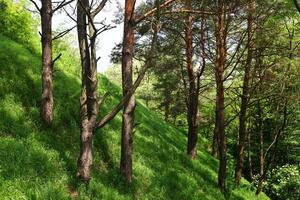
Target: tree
column 46, row 12
column 127, row 83
column 245, row 95
column 219, row 73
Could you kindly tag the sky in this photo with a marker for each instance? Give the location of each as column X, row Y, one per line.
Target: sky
column 108, row 39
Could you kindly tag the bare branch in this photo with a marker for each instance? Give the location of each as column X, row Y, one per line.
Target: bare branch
column 99, row 8
column 36, row 6
column 53, row 62
column 61, row 5
column 60, row 35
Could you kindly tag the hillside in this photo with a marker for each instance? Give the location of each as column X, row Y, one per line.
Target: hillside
column 39, row 162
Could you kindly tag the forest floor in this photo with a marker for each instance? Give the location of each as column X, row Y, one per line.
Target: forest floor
column 38, row 162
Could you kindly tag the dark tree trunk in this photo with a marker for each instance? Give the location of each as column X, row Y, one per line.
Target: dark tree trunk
column 129, row 106
column 249, row 157
column 261, row 149
column 264, row 164
column 220, row 65
column 47, row 85
column 192, row 109
column 245, row 97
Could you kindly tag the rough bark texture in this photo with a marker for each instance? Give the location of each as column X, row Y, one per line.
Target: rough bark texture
column 129, row 106
column 220, row 65
column 85, row 159
column 47, row 85
column 245, row 97
column 192, row 109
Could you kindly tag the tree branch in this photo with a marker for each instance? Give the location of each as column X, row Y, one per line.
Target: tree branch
column 151, row 12
column 297, row 5
column 56, row 60
column 99, row 8
column 36, row 6
column 137, row 82
column 61, row 34
column 61, row 5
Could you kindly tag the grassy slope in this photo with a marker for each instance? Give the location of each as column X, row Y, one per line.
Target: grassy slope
column 39, row 163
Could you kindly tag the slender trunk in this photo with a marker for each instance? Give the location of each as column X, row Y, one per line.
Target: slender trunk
column 245, row 97
column 214, row 148
column 220, row 65
column 192, row 109
column 249, row 157
column 47, row 85
column 129, row 106
column 261, row 153
column 85, row 159
column 264, row 165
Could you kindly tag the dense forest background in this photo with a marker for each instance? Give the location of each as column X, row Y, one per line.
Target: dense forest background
column 201, row 102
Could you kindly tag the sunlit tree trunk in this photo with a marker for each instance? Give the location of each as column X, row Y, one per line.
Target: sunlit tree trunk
column 47, row 85
column 85, row 159
column 129, row 106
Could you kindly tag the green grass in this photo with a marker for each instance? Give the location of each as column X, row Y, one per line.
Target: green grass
column 38, row 162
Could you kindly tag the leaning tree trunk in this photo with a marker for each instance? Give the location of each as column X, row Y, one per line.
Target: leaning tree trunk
column 192, row 109
column 245, row 97
column 220, row 65
column 85, row 159
column 47, row 85
column 129, row 106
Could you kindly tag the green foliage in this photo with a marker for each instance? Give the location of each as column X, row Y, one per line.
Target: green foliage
column 17, row 23
column 284, row 183
column 39, row 162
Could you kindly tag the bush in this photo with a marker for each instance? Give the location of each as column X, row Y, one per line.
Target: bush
column 17, row 23
column 284, row 183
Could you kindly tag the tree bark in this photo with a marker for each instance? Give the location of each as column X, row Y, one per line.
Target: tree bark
column 47, row 85
column 127, row 83
column 193, row 95
column 261, row 152
column 85, row 159
column 245, row 97
column 214, row 148
column 220, row 66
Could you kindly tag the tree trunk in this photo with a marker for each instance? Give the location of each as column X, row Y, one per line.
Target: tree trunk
column 47, row 85
column 245, row 97
column 220, row 65
column 261, row 161
column 249, row 157
column 85, row 159
column 192, row 109
column 214, row 148
column 129, row 106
